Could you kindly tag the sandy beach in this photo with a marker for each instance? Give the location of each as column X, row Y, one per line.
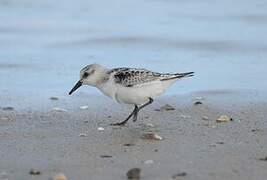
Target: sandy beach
column 44, row 131
column 193, row 143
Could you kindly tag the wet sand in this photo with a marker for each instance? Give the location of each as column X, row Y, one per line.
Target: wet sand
column 44, row 44
column 70, row 142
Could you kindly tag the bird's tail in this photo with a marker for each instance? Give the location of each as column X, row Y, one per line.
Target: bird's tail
column 182, row 75
column 178, row 76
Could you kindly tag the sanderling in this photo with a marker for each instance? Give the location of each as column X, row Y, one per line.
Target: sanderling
column 128, row 85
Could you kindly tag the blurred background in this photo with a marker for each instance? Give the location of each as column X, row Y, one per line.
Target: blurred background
column 45, row 43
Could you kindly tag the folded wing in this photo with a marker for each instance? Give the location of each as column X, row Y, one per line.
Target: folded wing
column 129, row 77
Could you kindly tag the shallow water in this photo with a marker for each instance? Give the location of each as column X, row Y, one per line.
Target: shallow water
column 45, row 43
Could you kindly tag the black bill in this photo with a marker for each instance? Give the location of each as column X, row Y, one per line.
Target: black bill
column 77, row 85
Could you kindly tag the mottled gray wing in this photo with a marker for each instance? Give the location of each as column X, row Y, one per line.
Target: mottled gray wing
column 129, row 77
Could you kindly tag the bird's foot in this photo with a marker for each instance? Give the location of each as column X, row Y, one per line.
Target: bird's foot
column 134, row 118
column 118, row 124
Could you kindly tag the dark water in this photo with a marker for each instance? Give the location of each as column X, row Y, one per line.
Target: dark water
column 44, row 44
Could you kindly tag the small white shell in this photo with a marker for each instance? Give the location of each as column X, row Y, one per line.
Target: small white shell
column 57, row 109
column 205, row 118
column 83, row 107
column 60, row 176
column 100, row 129
column 223, row 118
column 152, row 136
column 149, row 125
column 83, row 135
column 149, row 161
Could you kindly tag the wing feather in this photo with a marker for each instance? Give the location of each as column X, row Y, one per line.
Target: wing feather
column 129, row 77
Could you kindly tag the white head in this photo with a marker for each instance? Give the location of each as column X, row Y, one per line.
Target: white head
column 92, row 75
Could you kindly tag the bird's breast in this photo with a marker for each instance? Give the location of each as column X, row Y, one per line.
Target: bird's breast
column 108, row 89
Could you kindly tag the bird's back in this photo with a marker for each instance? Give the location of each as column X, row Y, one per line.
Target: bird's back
column 129, row 77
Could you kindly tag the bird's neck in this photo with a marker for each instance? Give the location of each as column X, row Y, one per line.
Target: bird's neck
column 103, row 77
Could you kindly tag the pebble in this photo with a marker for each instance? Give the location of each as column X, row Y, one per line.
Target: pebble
column 176, row 176
column 185, row 116
column 106, row 156
column 212, row 145
column 128, row 144
column 149, row 162
column 60, row 176
column 83, row 135
column 8, row 108
column 198, row 103
column 34, row 172
column 134, row 173
column 223, row 118
column 167, row 107
column 100, row 129
column 205, row 118
column 152, row 136
column 59, row 109
column 149, row 125
column 263, row 159
column 83, row 107
column 54, row 98
column 256, row 130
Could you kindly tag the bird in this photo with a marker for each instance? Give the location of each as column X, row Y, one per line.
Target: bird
column 135, row 86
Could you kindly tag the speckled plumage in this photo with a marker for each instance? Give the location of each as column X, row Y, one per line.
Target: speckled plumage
column 128, row 85
column 129, row 77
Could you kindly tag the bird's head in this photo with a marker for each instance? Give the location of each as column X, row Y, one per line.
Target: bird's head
column 89, row 75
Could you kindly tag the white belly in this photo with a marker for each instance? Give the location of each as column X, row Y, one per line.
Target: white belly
column 138, row 94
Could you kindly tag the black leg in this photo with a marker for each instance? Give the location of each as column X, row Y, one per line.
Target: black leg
column 123, row 122
column 135, row 114
column 149, row 102
column 141, row 107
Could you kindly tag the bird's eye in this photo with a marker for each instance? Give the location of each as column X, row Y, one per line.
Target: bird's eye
column 85, row 75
